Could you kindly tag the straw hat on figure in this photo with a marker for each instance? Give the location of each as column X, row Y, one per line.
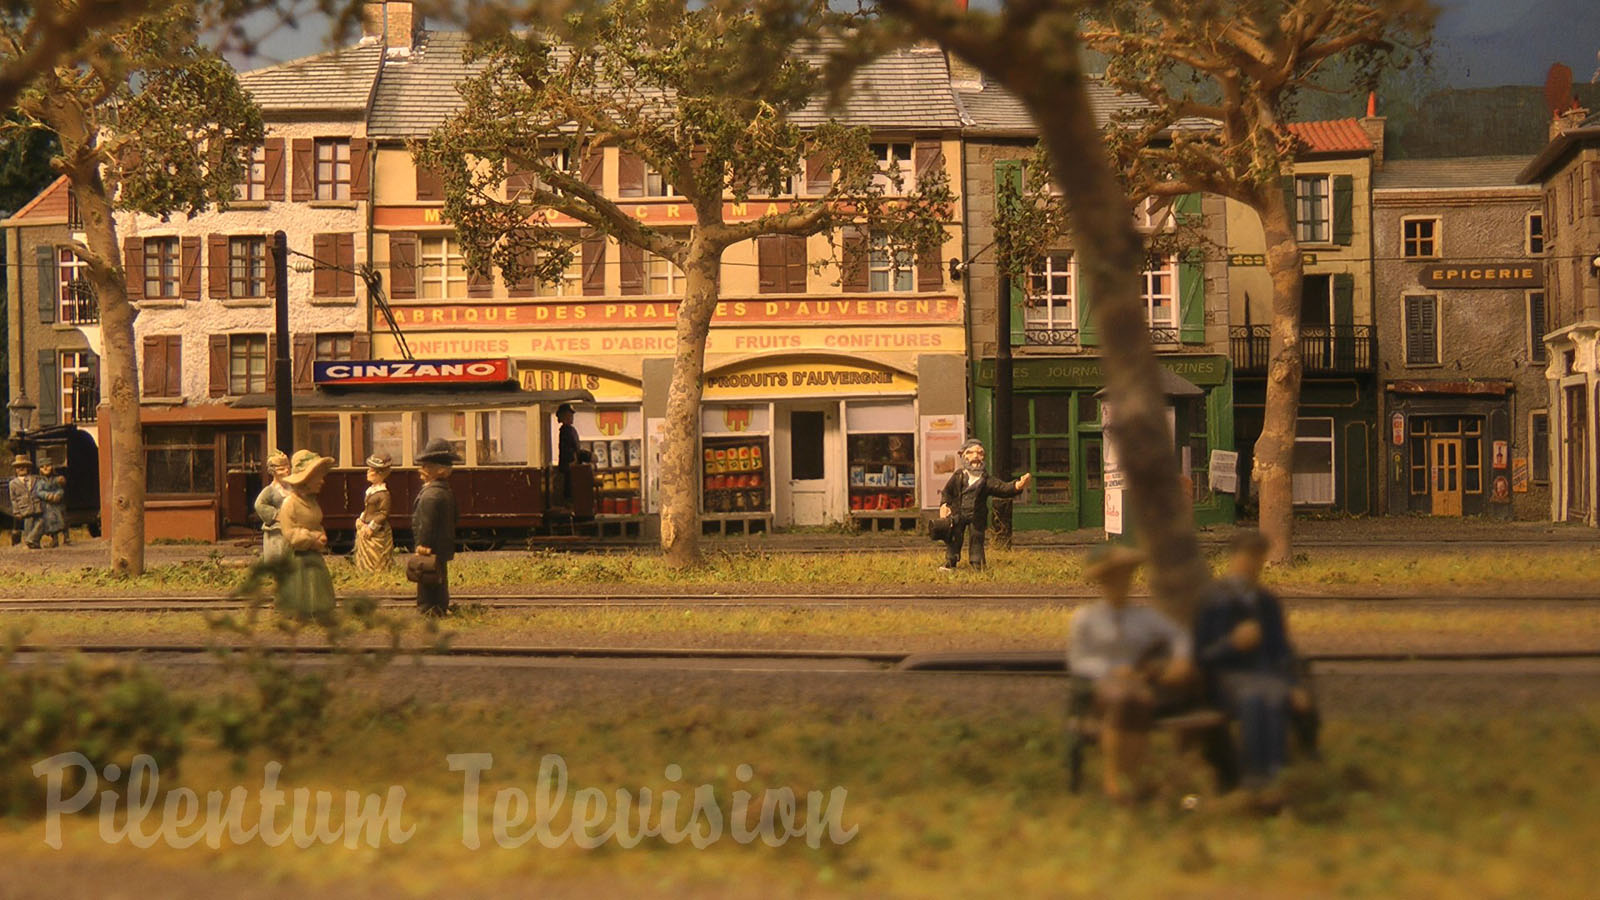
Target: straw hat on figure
column 26, row 510
column 306, row 589
column 268, row 502
column 374, row 537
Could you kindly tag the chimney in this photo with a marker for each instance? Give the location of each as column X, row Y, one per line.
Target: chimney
column 1373, row 124
column 1564, row 122
column 394, row 22
column 964, row 76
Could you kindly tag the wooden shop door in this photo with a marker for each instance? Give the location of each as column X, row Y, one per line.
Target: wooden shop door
column 1444, row 455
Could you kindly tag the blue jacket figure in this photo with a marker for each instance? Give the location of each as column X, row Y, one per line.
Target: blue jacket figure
column 1242, row 645
column 433, row 524
column 51, row 490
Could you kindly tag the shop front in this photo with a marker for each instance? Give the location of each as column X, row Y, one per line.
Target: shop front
column 1058, row 435
column 1450, row 448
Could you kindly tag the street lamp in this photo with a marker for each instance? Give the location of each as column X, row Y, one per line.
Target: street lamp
column 21, row 410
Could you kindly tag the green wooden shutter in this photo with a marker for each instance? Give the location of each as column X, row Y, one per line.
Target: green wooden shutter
column 1344, row 222
column 1344, row 299
column 1186, row 208
column 1289, row 203
column 1192, row 298
column 46, row 256
column 49, row 388
column 1009, row 171
column 1088, row 334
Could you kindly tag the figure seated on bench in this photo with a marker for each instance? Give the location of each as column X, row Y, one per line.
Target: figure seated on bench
column 1132, row 671
column 1250, row 668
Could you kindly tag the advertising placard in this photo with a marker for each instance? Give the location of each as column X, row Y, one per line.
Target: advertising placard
column 942, row 437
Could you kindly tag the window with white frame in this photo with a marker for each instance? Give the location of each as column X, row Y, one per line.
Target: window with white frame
column 503, row 438
column 73, row 294
column 1312, row 477
column 1419, row 238
column 1154, row 214
column 247, row 267
column 332, row 169
column 442, row 268
column 254, row 184
column 79, row 393
column 893, row 156
column 662, row 278
column 1161, row 295
column 1535, row 234
column 1313, row 212
column 886, row 270
column 1052, row 290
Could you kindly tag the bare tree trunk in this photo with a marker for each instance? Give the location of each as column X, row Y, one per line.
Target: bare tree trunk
column 120, row 378
column 1274, row 451
column 680, row 469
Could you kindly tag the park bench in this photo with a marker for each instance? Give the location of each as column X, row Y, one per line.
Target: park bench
column 1083, row 728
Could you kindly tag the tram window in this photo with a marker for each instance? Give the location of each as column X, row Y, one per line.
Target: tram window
column 377, row 433
column 452, row 426
column 503, row 438
column 318, row 433
column 180, row 461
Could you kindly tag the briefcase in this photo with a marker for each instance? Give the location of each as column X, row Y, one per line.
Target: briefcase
column 422, row 569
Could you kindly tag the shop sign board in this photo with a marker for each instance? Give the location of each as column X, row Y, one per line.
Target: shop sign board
column 806, row 379
column 1397, row 429
column 368, row 372
column 661, row 340
column 1069, row 373
column 536, row 375
column 1224, row 471
column 942, row 437
column 565, row 313
column 1492, row 275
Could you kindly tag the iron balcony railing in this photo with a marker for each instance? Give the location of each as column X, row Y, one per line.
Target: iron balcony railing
column 85, row 399
column 1050, row 336
column 1324, row 349
column 80, row 306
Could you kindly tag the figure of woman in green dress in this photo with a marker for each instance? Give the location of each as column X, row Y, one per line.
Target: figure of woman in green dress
column 306, row 589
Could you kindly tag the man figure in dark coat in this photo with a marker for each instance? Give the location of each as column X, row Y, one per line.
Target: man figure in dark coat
column 965, row 501
column 433, row 523
column 567, row 450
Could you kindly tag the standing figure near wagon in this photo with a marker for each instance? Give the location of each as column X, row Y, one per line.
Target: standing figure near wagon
column 26, row 511
column 51, row 490
column 306, row 589
column 965, row 502
column 433, row 526
column 268, row 503
column 374, row 537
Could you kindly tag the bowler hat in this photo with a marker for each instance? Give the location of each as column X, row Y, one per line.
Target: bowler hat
column 1108, row 561
column 305, row 464
column 438, row 451
column 380, row 461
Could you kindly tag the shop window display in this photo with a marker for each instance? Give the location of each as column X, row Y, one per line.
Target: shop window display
column 736, row 475
column 883, row 474
column 618, row 475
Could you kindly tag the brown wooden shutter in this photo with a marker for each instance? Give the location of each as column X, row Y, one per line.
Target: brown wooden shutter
column 594, row 267
column 1594, row 188
column 927, row 157
column 189, row 258
column 592, row 170
column 174, row 361
column 930, row 270
column 770, row 264
column 796, row 264
column 630, row 175
column 631, row 264
column 219, row 365
column 429, row 186
column 272, row 363
column 274, row 154
column 853, row 260
column 217, row 266
column 133, row 267
column 304, row 348
column 403, row 265
column 360, row 170
column 154, row 369
column 344, row 256
column 304, row 178
column 361, row 346
column 819, row 174
column 322, row 253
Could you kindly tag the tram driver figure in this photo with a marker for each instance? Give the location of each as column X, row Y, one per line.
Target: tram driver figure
column 965, row 502
column 567, row 451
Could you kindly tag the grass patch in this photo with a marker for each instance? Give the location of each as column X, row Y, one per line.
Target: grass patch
column 967, row 802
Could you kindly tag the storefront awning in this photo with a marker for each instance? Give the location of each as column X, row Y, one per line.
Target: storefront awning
column 389, row 400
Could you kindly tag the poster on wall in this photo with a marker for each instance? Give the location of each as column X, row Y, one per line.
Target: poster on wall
column 1113, row 511
column 941, row 447
column 655, row 431
column 1224, row 468
column 1519, row 474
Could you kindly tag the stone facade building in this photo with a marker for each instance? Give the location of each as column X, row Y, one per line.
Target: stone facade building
column 1461, row 310
column 1567, row 172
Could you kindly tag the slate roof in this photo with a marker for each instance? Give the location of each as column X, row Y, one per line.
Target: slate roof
column 993, row 110
column 1332, row 136
column 337, row 81
column 1445, row 174
column 906, row 90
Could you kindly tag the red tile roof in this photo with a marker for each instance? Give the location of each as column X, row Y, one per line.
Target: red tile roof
column 50, row 203
column 1334, row 136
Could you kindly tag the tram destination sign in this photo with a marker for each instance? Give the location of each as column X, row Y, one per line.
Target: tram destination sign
column 369, row 372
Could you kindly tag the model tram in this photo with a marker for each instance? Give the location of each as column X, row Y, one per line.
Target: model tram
column 506, row 489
